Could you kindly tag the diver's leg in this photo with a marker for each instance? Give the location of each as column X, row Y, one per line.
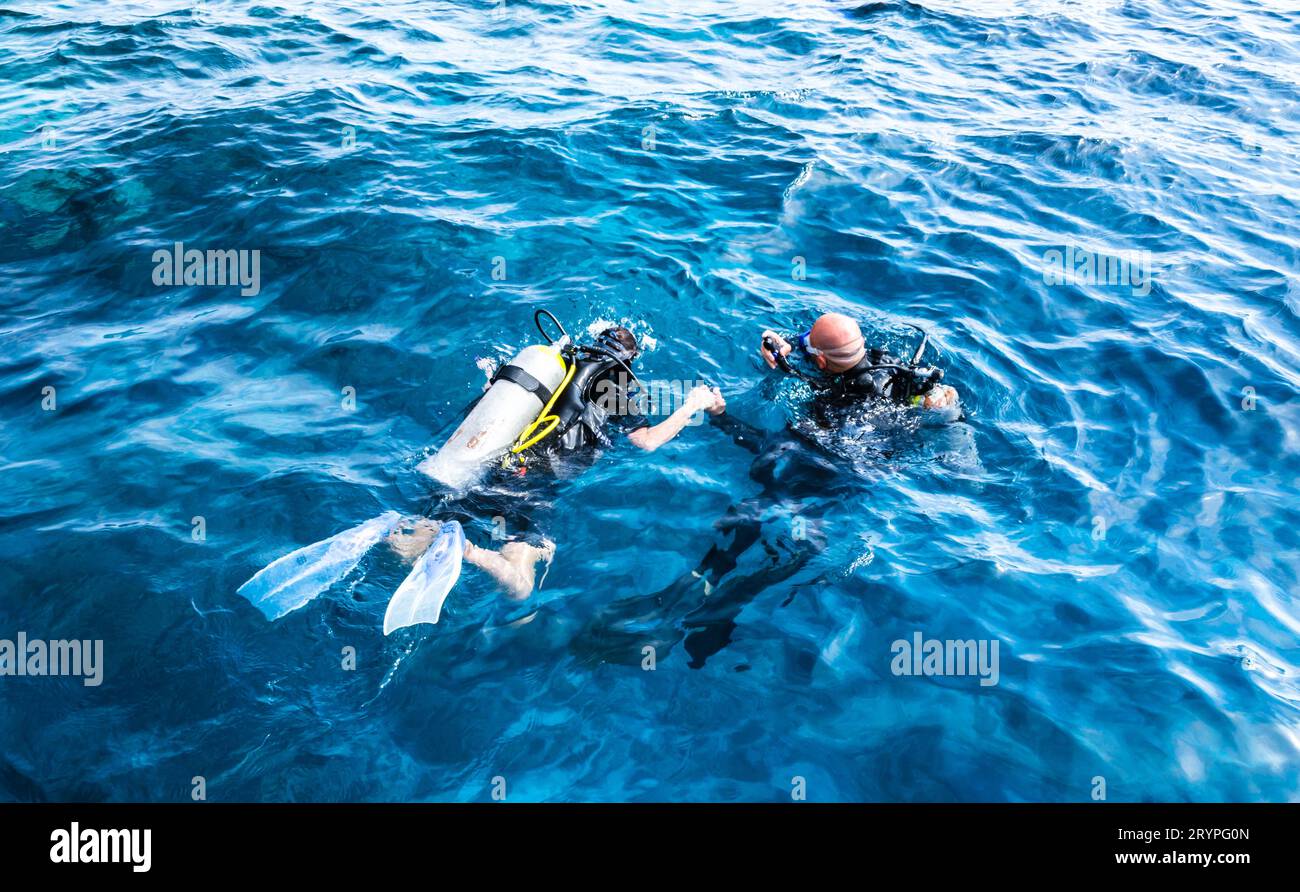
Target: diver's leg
column 744, row 435
column 707, row 628
column 705, row 620
column 624, row 627
column 525, row 556
column 744, row 524
column 514, row 567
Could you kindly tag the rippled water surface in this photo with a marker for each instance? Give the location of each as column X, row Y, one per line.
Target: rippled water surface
column 1119, row 511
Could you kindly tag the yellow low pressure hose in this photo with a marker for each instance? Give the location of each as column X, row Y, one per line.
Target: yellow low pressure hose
column 529, row 437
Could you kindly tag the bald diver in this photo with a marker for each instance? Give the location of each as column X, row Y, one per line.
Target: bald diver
column 799, row 478
column 850, row 373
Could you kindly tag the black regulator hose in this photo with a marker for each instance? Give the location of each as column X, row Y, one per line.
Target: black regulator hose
column 925, row 340
column 784, row 364
column 537, row 320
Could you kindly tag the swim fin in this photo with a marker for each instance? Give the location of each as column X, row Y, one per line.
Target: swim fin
column 291, row 581
column 419, row 598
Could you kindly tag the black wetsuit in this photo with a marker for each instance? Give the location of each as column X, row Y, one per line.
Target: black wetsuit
column 789, row 461
column 877, row 376
column 698, row 609
column 801, row 479
column 598, row 396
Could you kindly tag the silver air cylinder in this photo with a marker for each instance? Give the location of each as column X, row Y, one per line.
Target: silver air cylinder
column 496, row 420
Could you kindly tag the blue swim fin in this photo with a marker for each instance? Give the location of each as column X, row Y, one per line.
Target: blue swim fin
column 419, row 598
column 293, row 580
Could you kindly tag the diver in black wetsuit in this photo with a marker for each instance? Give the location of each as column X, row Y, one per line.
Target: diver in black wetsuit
column 596, row 397
column 598, row 394
column 849, row 375
column 572, row 419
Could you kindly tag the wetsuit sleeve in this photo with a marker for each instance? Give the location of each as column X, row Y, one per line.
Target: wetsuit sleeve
column 742, row 434
column 630, row 421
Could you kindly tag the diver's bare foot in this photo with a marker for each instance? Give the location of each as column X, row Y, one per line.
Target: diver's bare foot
column 543, row 552
column 412, row 537
column 523, row 555
column 514, row 567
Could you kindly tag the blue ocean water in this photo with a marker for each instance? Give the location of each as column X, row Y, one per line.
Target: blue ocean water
column 1118, row 512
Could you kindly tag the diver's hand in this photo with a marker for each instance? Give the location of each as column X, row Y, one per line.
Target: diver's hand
column 709, row 399
column 488, row 367
column 704, row 398
column 782, row 345
column 941, row 397
column 719, row 404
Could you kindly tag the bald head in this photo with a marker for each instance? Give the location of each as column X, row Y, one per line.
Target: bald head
column 839, row 341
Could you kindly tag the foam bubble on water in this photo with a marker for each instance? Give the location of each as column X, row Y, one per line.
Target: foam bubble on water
column 862, row 560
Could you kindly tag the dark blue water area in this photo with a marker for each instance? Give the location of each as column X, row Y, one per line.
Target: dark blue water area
column 1118, row 511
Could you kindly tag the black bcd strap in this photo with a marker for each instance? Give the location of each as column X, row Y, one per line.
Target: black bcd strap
column 515, row 375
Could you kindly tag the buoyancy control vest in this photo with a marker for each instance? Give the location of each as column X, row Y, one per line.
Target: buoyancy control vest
column 882, row 375
column 587, row 403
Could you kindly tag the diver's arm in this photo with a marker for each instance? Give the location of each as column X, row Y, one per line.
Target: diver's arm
column 651, row 438
column 743, row 434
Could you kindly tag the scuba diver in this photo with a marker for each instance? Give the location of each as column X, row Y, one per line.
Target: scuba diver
column 800, row 479
column 851, row 373
column 551, row 400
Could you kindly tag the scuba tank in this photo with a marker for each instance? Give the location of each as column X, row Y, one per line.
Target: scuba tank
column 543, row 391
column 520, row 392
